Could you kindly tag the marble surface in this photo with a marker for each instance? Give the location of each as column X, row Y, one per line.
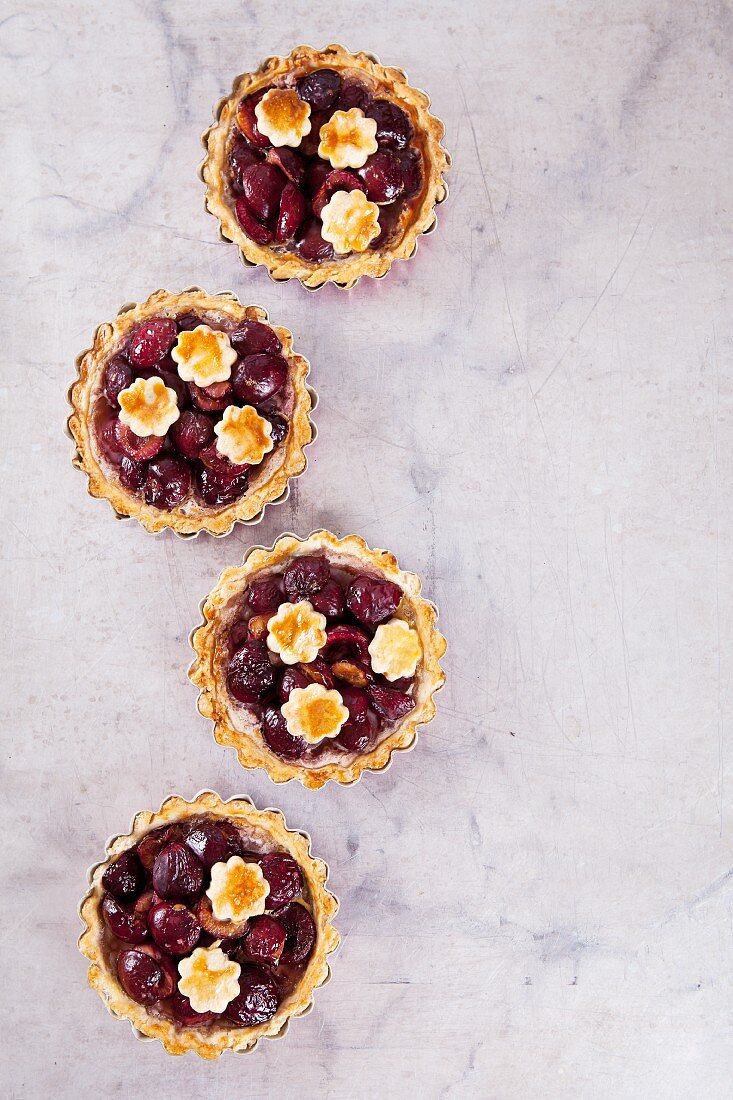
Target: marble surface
column 534, row 414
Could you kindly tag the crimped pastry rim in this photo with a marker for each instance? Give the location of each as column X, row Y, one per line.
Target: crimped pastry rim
column 345, row 272
column 175, row 1037
column 250, row 508
column 213, row 700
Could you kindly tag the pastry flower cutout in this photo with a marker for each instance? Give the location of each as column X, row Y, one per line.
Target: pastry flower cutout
column 348, row 138
column 314, row 713
column 350, row 221
column 395, row 650
column 204, row 356
column 238, row 890
column 296, row 633
column 283, row 117
column 209, row 978
column 148, row 406
column 243, row 436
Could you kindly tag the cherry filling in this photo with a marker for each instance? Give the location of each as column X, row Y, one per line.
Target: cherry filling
column 278, row 194
column 166, row 471
column 354, row 605
column 156, row 912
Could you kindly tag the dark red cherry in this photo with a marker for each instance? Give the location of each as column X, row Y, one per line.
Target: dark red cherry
column 175, row 383
column 390, row 704
column 265, row 940
column 123, row 922
column 174, row 928
column 132, row 473
column 212, row 399
column 247, row 120
column 393, row 126
column 252, row 337
column 356, row 702
column 151, row 341
column 217, row 489
column 262, row 186
column 168, row 482
column 292, row 678
column 382, row 176
column 309, row 145
column 258, row 377
column 241, row 157
column 340, row 180
column 106, row 427
column 412, row 174
column 279, row 427
column 180, row 1006
column 284, row 877
column 212, row 841
column 315, row 176
column 117, row 377
column 177, row 874
column 330, row 601
column 266, row 594
column 371, row 601
column 355, row 736
column 304, row 577
column 152, row 844
column 353, row 94
column 300, row 933
column 291, row 214
column 288, row 162
column 142, row 976
column 191, row 433
column 256, row 1002
column 275, row 733
column 250, row 673
column 188, row 321
column 219, row 464
column 346, row 640
column 139, row 447
column 320, row 88
column 311, row 245
column 254, row 229
column 124, row 878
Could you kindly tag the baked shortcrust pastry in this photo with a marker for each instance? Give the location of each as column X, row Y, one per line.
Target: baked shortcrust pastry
column 324, row 166
column 208, row 925
column 191, row 411
column 317, row 659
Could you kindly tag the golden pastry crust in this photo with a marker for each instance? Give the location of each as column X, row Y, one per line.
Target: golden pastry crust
column 419, row 216
column 269, row 485
column 179, row 1038
column 208, row 670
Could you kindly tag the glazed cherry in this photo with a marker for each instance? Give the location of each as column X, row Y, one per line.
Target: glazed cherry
column 355, row 736
column 291, row 214
column 304, row 577
column 391, row 704
column 279, row 427
column 168, row 482
column 275, row 733
column 288, row 161
column 353, row 94
column 330, row 600
column 393, row 126
column 372, row 601
column 152, row 341
column 139, row 447
column 292, row 678
column 311, row 245
column 344, row 640
column 254, row 229
column 315, row 176
column 411, row 165
column 132, row 473
column 117, row 377
column 124, row 878
column 382, row 177
column 335, row 181
column 123, row 921
column 256, row 1002
column 320, row 88
column 300, row 933
column 250, row 673
column 153, row 844
column 284, row 877
column 252, row 337
column 217, row 489
column 191, row 433
column 262, row 187
column 143, row 977
column 241, row 157
column 266, row 594
column 247, row 121
column 259, row 377
column 180, row 1006
column 212, row 841
column 212, row 399
column 177, row 874
column 174, row 928
column 265, row 940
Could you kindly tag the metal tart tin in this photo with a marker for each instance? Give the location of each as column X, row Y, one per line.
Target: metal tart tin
column 305, row 281
column 78, row 463
column 113, row 847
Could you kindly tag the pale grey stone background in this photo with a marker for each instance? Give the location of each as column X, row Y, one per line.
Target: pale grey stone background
column 534, row 414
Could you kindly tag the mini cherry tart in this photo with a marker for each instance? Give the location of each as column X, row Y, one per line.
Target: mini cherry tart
column 157, row 959
column 303, row 129
column 317, row 659
column 191, row 411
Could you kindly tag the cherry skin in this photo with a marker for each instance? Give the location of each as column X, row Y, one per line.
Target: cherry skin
column 300, row 933
column 265, row 940
column 123, row 922
column 284, row 877
column 250, row 673
column 174, row 928
column 275, row 733
column 124, row 879
column 252, row 337
column 212, row 841
column 151, row 342
column 177, row 874
column 266, row 594
column 142, row 977
column 256, row 1002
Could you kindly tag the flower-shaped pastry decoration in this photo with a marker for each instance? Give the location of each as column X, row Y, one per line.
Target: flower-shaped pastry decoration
column 348, row 139
column 148, row 406
column 314, row 713
column 243, row 436
column 350, row 221
column 238, row 890
column 296, row 632
column 395, row 650
column 283, row 117
column 204, row 356
column 209, row 978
